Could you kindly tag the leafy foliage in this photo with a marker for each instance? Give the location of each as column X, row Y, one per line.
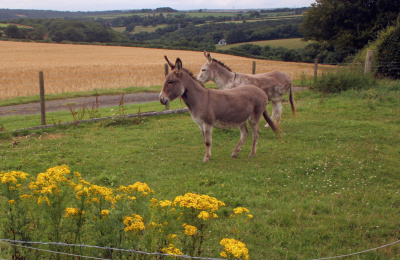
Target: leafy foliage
column 348, row 24
column 389, row 54
column 342, row 80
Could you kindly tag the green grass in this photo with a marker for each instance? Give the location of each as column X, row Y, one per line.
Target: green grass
column 295, row 43
column 329, row 187
column 140, row 28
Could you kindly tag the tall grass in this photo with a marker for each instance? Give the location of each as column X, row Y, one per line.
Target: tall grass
column 343, row 79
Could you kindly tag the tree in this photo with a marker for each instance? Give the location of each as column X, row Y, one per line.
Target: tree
column 389, row 54
column 130, row 27
column 235, row 36
column 12, row 31
column 348, row 23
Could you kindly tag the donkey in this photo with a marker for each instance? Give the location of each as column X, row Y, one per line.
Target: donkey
column 275, row 84
column 217, row 108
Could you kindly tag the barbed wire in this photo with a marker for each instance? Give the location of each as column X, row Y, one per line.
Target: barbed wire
column 361, row 252
column 9, row 241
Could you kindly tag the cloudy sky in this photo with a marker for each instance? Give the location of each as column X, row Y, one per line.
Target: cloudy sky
column 102, row 5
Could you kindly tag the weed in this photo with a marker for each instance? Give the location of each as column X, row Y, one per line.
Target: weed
column 343, row 79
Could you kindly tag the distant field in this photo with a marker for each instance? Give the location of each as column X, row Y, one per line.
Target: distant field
column 77, row 68
column 4, row 25
column 295, row 43
column 139, row 28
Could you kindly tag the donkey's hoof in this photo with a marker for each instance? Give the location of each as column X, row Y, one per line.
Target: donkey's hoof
column 251, row 155
column 206, row 159
column 234, row 156
column 267, row 125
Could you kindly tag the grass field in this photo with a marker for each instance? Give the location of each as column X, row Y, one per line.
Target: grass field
column 76, row 68
column 329, row 187
column 295, row 43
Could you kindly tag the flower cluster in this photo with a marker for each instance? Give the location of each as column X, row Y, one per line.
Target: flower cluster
column 206, row 215
column 171, row 250
column 240, row 211
column 49, row 183
column 12, row 177
column 73, row 212
column 141, row 187
column 189, row 229
column 234, row 248
column 175, row 226
column 134, row 223
column 200, row 202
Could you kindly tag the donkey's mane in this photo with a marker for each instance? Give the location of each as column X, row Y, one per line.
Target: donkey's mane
column 193, row 77
column 222, row 64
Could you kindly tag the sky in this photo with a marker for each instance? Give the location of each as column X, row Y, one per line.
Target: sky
column 104, row 5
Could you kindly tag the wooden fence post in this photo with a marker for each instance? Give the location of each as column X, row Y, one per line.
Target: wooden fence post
column 42, row 101
column 254, row 67
column 315, row 69
column 166, row 73
column 368, row 61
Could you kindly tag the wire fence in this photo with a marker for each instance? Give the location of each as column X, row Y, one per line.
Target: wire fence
column 18, row 243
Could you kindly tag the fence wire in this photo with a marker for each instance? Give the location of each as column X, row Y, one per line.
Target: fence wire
column 14, row 242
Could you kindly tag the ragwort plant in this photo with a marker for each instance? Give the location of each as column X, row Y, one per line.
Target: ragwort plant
column 60, row 206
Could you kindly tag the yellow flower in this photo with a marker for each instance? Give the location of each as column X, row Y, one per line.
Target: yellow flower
column 200, row 202
column 12, row 177
column 171, row 250
column 26, row 196
column 73, row 212
column 189, row 229
column 104, row 213
column 249, row 216
column 240, row 210
column 138, row 186
column 10, row 202
column 235, row 248
column 204, row 215
column 134, row 223
column 165, row 203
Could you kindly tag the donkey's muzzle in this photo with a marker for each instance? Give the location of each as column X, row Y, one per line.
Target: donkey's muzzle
column 163, row 99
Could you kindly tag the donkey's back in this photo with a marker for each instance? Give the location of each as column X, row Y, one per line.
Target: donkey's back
column 275, row 83
column 232, row 107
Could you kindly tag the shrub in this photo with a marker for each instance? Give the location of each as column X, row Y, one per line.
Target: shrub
column 343, row 79
column 389, row 55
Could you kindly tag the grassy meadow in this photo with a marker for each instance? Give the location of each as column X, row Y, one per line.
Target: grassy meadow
column 294, row 43
column 81, row 68
column 329, row 187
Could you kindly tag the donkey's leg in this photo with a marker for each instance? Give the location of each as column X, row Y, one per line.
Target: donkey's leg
column 276, row 111
column 207, row 138
column 244, row 133
column 255, row 133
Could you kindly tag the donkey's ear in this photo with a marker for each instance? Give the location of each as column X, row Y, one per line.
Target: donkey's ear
column 169, row 63
column 178, row 64
column 208, row 56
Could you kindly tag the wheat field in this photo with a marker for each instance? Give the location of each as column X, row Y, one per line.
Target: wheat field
column 75, row 68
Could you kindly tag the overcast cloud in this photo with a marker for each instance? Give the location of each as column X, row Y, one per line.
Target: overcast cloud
column 103, row 5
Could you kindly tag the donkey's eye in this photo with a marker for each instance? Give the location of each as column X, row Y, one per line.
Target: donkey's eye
column 203, row 70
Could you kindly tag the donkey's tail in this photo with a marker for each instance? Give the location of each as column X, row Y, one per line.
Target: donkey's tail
column 291, row 99
column 271, row 123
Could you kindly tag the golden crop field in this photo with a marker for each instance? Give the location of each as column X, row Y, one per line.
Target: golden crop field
column 75, row 68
